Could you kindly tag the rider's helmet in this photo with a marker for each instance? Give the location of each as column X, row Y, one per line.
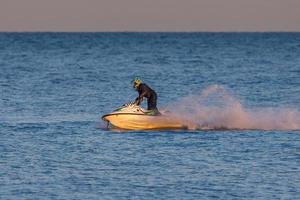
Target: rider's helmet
column 136, row 82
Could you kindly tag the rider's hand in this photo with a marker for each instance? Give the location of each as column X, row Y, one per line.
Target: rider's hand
column 138, row 101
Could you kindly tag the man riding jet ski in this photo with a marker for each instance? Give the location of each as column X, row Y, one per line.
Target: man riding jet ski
column 132, row 117
column 145, row 91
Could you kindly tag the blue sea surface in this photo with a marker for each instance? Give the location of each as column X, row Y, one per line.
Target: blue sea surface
column 56, row 86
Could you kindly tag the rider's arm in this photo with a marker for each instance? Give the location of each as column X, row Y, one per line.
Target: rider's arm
column 140, row 98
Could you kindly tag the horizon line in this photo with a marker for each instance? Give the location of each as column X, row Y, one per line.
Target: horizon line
column 150, row 31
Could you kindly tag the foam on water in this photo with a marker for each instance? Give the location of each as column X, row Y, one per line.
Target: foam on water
column 215, row 108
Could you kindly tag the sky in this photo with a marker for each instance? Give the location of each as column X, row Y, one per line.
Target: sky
column 149, row 15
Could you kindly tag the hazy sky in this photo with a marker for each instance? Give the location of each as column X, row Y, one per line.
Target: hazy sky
column 149, row 15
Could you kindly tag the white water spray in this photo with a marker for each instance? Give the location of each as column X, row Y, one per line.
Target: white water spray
column 215, row 108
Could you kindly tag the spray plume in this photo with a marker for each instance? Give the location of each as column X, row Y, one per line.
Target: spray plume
column 215, row 108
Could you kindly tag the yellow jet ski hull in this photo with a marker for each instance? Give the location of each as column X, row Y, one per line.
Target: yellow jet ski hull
column 132, row 121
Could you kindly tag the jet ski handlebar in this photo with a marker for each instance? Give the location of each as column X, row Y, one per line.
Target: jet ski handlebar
column 129, row 104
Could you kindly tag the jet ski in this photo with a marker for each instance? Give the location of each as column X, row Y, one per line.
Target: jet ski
column 132, row 117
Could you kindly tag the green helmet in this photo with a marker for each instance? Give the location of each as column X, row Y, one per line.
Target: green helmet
column 136, row 82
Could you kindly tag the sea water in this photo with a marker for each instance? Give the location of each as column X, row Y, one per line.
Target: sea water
column 243, row 87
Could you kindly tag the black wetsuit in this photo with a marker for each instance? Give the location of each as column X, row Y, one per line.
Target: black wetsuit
column 145, row 91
